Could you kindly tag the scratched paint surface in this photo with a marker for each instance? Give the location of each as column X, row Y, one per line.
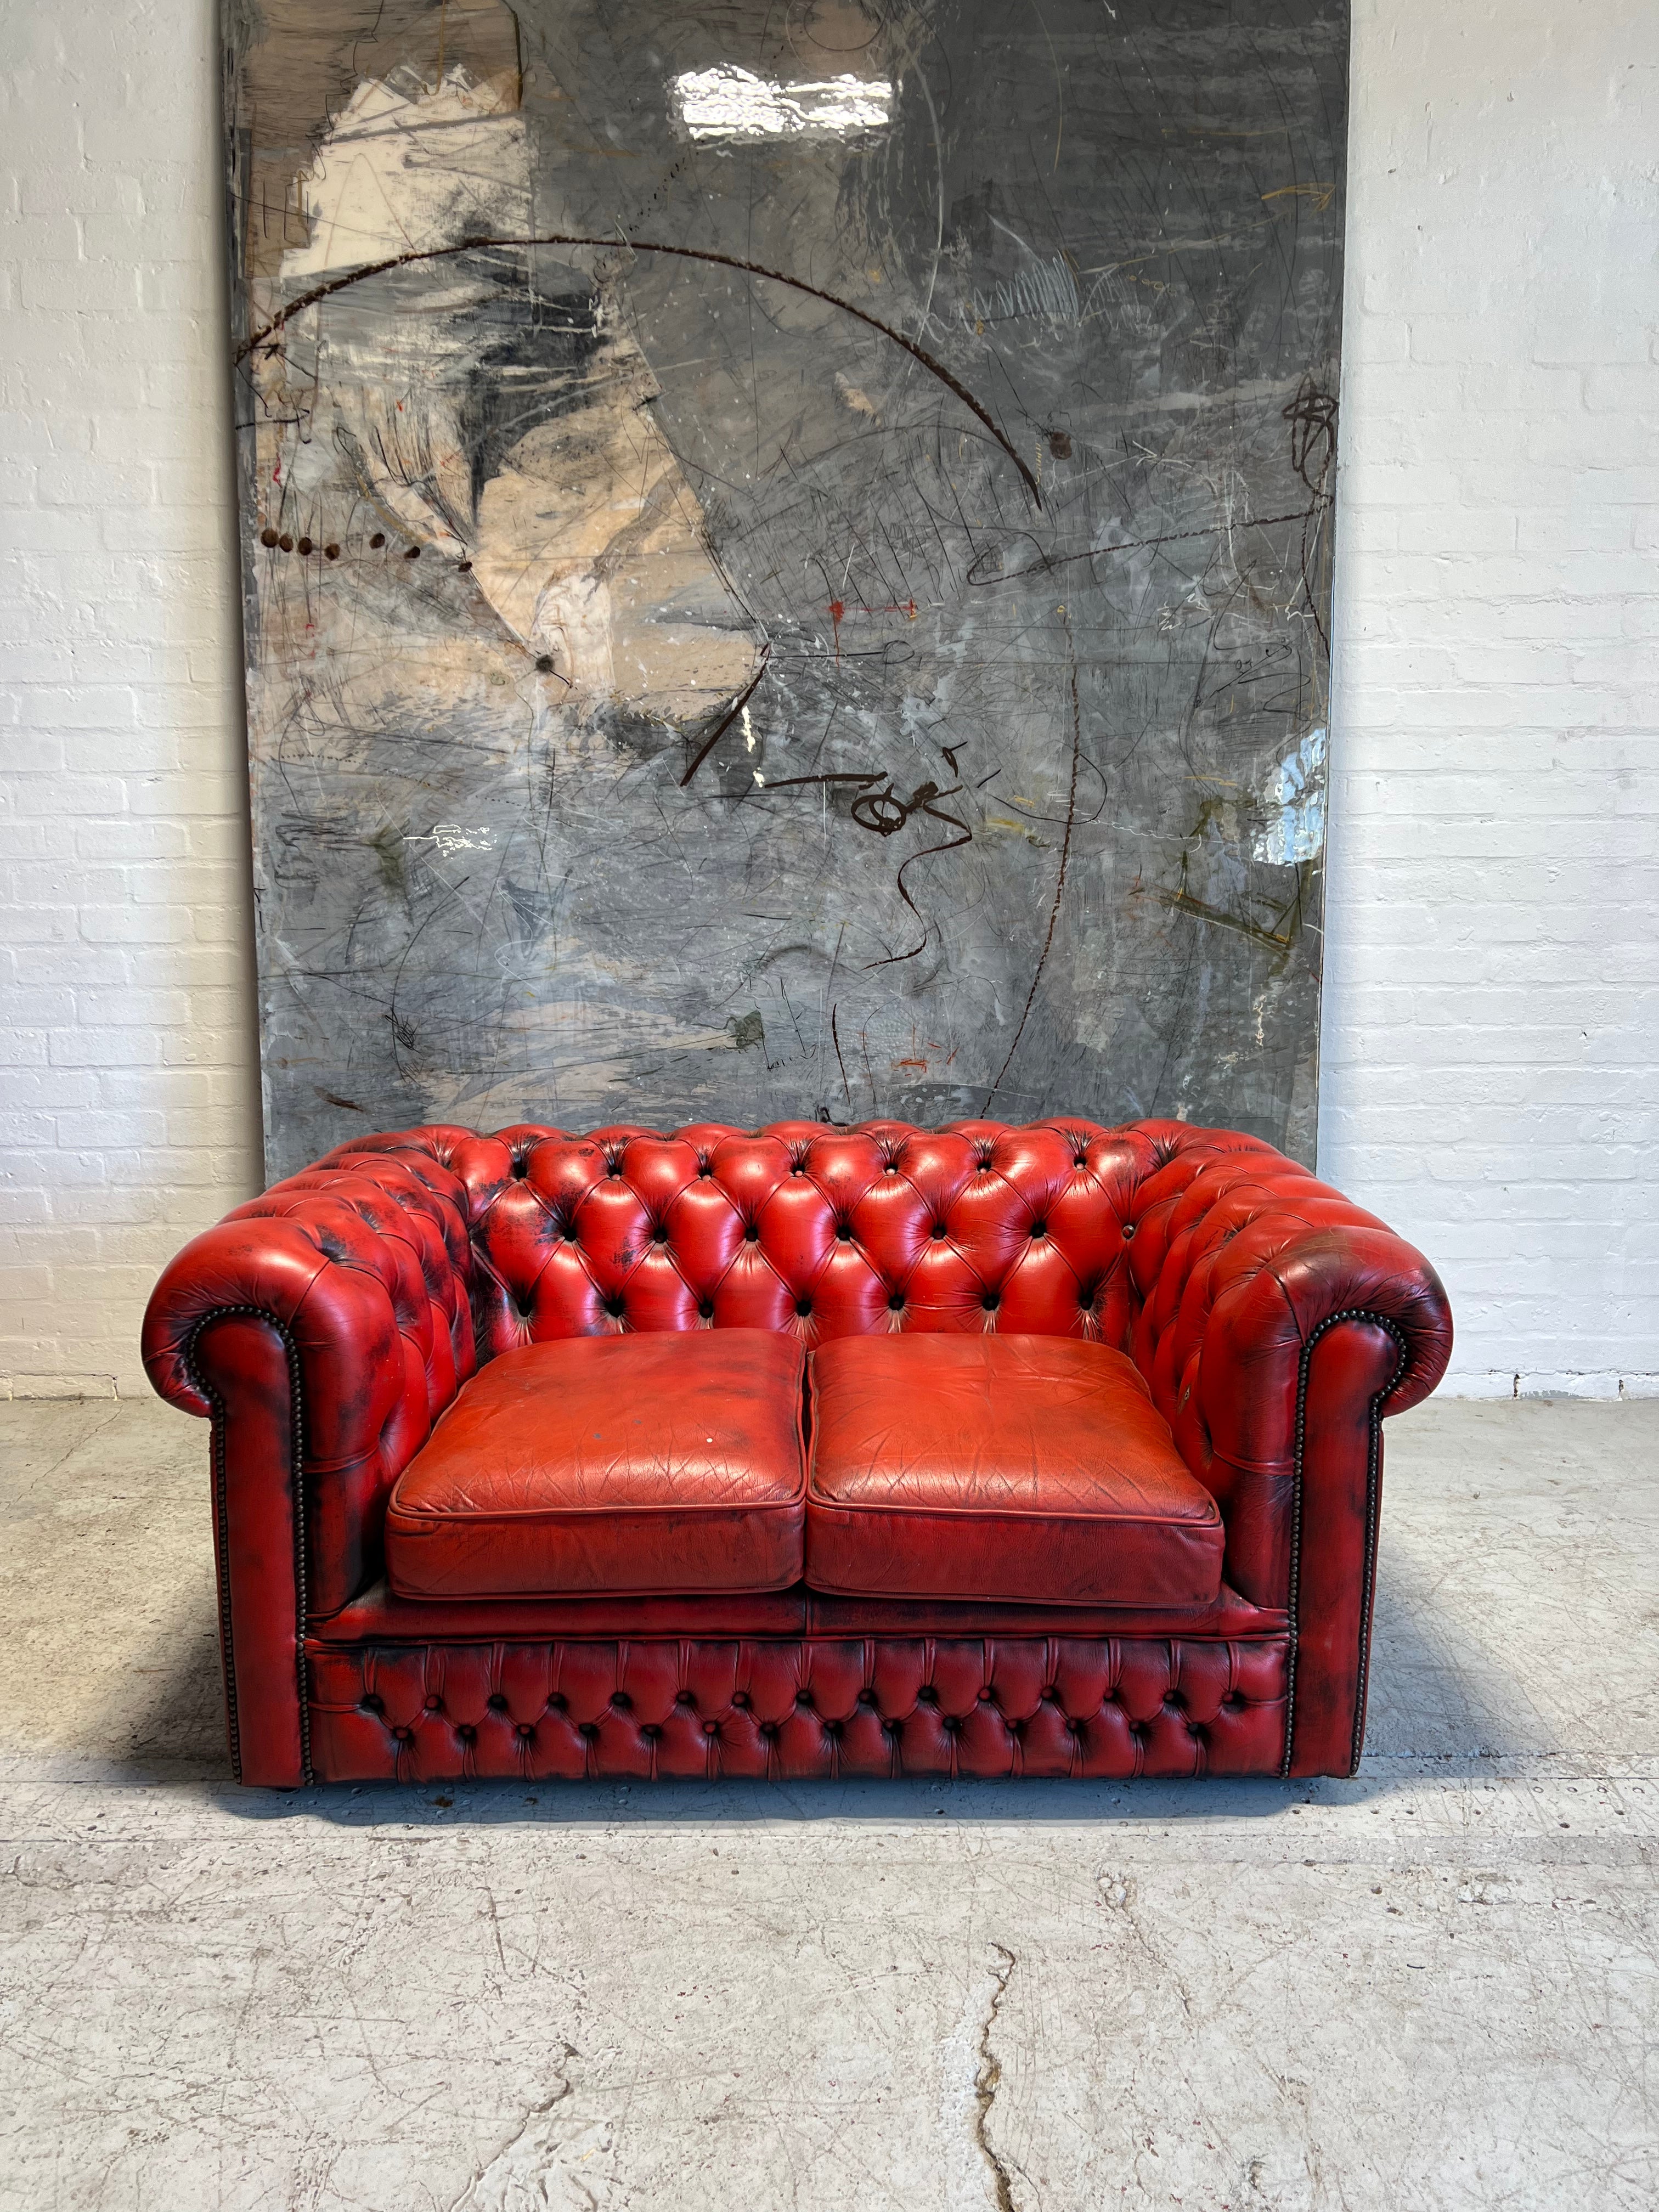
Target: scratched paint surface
column 787, row 556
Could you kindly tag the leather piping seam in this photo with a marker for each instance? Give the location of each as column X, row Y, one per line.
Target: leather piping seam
column 222, row 1516
column 324, row 1645
column 1369, row 1565
column 222, row 1526
column 558, row 1516
column 1201, row 1524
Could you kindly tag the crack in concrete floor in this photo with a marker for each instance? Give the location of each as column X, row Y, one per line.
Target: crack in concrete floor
column 987, row 2081
column 976, row 2177
column 559, row 2162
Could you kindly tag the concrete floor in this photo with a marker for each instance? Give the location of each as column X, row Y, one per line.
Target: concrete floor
column 1434, row 1986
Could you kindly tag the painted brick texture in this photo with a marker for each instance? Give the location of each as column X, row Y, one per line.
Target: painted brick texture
column 1493, row 961
column 127, row 1113
column 1491, row 1079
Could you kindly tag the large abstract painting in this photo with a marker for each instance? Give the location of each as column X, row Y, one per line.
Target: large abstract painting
column 786, row 551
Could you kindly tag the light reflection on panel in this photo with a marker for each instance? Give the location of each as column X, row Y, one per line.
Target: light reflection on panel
column 729, row 105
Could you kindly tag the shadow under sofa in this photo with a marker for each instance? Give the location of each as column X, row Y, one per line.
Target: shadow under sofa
column 811, row 1451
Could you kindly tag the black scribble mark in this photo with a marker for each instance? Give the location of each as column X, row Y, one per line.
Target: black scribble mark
column 918, row 803
column 1029, row 814
column 1312, row 418
column 1047, row 562
column 1278, row 661
column 789, row 1008
column 869, row 1072
column 884, row 811
column 835, row 1039
column 797, row 782
column 484, row 244
column 404, row 1034
column 331, row 1098
column 727, row 721
column 1060, row 881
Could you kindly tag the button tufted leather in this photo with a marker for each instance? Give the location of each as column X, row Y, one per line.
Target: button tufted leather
column 326, row 1325
column 879, row 1707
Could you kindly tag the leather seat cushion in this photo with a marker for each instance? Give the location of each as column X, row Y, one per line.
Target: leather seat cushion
column 1030, row 1468
column 635, row 1465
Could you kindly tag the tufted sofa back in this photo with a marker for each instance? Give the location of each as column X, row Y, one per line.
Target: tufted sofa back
column 400, row 1261
column 1058, row 1228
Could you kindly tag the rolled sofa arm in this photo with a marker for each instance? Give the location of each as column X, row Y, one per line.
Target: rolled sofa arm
column 322, row 1328
column 1279, row 1325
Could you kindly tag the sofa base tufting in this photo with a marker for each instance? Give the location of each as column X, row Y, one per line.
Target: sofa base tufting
column 800, row 1709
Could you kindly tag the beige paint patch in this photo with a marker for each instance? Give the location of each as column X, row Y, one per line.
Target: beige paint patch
column 408, row 168
column 854, row 395
column 591, row 547
column 588, row 542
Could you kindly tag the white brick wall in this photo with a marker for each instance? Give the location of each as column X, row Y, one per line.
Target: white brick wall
column 1490, row 1074
column 128, row 1114
column 1491, row 1010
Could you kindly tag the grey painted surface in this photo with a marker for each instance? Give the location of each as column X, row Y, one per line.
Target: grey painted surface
column 1432, row 1989
column 899, row 689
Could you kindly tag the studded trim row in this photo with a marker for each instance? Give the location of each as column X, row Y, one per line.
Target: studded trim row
column 1372, row 1501
column 221, row 1523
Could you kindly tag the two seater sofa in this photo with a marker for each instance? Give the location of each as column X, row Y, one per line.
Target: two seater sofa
column 804, row 1451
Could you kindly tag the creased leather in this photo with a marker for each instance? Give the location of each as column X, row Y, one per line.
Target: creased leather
column 358, row 1269
column 634, row 1464
column 1001, row 1467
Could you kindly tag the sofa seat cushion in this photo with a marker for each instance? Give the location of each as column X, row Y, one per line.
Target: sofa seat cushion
column 1029, row 1467
column 634, row 1465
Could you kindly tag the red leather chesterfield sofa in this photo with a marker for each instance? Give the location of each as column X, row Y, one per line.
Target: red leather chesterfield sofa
column 985, row 1450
